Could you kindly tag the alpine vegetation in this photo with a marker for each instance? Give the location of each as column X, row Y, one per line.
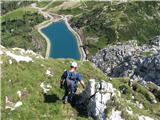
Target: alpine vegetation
column 110, row 70
column 34, row 86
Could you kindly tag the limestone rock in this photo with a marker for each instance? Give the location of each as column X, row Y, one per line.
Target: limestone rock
column 116, row 115
column 19, row 58
column 130, row 60
column 95, row 97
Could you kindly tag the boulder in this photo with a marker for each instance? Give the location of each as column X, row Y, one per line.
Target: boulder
column 95, row 97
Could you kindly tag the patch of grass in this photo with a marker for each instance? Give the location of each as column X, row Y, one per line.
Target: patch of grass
column 117, row 82
column 42, row 4
column 154, row 89
column 141, row 89
column 56, row 3
column 94, row 46
column 72, row 11
column 140, row 94
column 17, row 14
column 128, row 116
column 119, row 22
column 147, row 53
column 126, row 90
column 18, row 30
column 156, row 108
column 7, row 6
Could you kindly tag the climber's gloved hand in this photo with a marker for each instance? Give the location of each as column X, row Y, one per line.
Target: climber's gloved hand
column 82, row 83
column 61, row 86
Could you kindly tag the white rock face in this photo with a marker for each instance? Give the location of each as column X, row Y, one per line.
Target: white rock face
column 45, row 87
column 30, row 52
column 19, row 58
column 140, row 105
column 27, row 52
column 89, row 91
column 17, row 104
column 9, row 104
column 19, row 54
column 10, row 61
column 48, row 72
column 129, row 111
column 1, row 52
column 2, row 46
column 12, row 106
column 39, row 57
column 95, row 97
column 116, row 115
column 90, row 88
column 1, row 62
column 19, row 93
column 142, row 117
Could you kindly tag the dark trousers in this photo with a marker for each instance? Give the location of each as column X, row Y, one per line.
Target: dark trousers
column 70, row 89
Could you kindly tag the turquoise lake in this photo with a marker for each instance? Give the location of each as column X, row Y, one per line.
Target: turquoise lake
column 63, row 42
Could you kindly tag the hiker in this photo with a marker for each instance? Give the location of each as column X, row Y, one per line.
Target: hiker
column 69, row 81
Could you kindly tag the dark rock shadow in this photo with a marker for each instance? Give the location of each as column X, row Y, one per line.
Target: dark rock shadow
column 80, row 107
column 50, row 98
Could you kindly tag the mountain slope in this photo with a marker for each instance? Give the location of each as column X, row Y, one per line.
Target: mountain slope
column 130, row 60
column 18, row 28
column 27, row 78
column 17, row 76
column 111, row 22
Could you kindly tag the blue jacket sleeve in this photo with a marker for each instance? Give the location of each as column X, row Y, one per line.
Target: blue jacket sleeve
column 64, row 75
column 79, row 78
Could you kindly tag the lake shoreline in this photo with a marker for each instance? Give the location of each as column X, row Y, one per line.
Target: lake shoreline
column 78, row 38
column 79, row 42
column 40, row 26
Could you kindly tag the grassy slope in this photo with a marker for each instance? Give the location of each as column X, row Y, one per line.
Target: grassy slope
column 42, row 4
column 30, row 75
column 19, row 40
column 18, row 13
column 8, row 6
column 118, row 22
column 56, row 7
column 56, row 3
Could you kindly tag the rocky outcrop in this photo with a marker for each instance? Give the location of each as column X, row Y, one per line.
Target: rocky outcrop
column 95, row 98
column 130, row 60
column 115, row 115
column 19, row 55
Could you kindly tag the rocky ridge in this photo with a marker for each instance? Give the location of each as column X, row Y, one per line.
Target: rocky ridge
column 96, row 99
column 131, row 60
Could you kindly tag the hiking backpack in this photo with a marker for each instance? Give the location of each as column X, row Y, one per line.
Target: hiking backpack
column 71, row 79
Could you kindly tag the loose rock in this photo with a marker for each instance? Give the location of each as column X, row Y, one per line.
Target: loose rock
column 130, row 60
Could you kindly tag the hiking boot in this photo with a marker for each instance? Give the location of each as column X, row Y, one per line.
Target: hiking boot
column 65, row 101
